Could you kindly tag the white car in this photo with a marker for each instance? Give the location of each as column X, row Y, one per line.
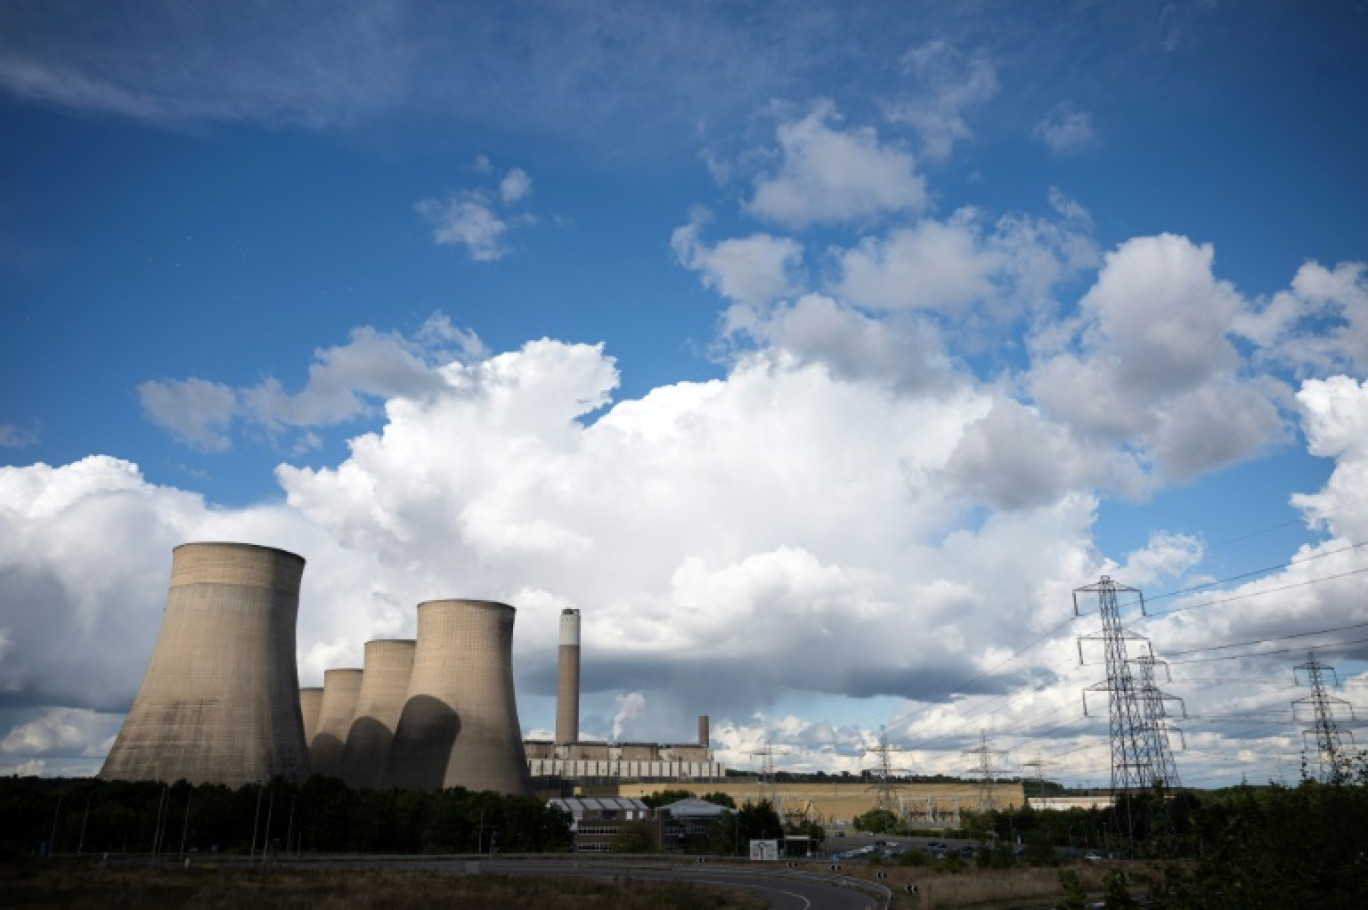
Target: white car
column 1093, row 858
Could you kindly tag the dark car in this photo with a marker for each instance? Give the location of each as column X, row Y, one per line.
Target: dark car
column 967, row 851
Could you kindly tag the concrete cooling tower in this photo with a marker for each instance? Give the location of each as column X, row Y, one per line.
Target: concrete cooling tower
column 459, row 726
column 220, row 700
column 568, row 678
column 384, row 686
column 341, row 689
column 310, row 700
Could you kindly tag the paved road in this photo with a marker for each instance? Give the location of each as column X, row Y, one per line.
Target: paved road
column 783, row 892
column 783, row 889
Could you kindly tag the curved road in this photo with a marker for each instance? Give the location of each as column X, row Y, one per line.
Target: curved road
column 783, row 890
column 809, row 892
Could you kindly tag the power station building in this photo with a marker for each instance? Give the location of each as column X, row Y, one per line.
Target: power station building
column 601, row 762
column 552, row 763
column 459, row 724
column 220, row 701
column 380, row 701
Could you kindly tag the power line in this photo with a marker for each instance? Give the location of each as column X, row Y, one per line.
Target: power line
column 1252, row 572
column 1264, row 654
column 1287, row 587
column 1264, row 641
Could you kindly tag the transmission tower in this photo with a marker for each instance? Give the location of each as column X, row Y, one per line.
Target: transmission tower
column 1132, row 755
column 1325, row 729
column 883, row 784
column 1039, row 763
column 1157, row 727
column 986, row 772
column 766, row 753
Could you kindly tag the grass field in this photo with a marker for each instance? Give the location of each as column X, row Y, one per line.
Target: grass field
column 31, row 886
column 989, row 889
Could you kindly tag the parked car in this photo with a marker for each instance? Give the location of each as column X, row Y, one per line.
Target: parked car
column 936, row 845
column 967, row 851
column 1093, row 857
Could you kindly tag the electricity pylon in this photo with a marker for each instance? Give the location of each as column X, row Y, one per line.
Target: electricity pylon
column 1326, row 731
column 883, row 785
column 1152, row 698
column 1132, row 765
column 986, row 771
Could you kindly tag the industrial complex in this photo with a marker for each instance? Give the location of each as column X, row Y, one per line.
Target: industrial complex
column 221, row 702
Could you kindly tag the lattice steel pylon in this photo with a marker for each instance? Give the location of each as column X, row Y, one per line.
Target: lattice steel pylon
column 1039, row 763
column 1152, row 699
column 987, row 773
column 1132, row 764
column 766, row 753
column 887, row 797
column 1329, row 744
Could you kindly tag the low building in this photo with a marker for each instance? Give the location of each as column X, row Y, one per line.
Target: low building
column 602, row 762
column 596, row 820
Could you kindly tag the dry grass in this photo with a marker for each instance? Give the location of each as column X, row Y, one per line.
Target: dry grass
column 986, row 889
column 52, row 887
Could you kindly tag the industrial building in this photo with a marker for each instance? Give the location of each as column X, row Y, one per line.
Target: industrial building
column 592, row 763
column 459, row 725
column 567, row 761
column 836, row 802
column 220, row 702
column 341, row 689
column 385, row 676
column 310, row 701
column 595, row 821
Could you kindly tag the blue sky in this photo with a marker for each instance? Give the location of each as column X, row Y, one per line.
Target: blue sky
column 814, row 353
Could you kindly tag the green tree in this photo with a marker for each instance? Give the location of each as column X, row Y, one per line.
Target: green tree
column 665, row 797
column 632, row 837
column 877, row 821
column 1074, row 895
column 1116, row 891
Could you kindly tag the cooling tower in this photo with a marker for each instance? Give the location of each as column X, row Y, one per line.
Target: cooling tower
column 220, row 700
column 703, row 732
column 384, row 686
column 310, row 700
column 341, row 688
column 459, row 726
column 568, row 678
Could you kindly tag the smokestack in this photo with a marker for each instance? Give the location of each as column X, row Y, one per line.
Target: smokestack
column 568, row 678
column 703, row 730
column 310, row 700
column 378, row 706
column 459, row 726
column 220, row 700
column 341, row 689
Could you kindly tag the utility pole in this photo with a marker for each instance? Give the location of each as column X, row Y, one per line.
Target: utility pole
column 1326, row 731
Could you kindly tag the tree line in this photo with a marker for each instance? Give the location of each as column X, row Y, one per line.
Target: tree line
column 322, row 815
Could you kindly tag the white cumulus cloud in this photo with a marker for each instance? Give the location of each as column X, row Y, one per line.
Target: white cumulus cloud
column 827, row 174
